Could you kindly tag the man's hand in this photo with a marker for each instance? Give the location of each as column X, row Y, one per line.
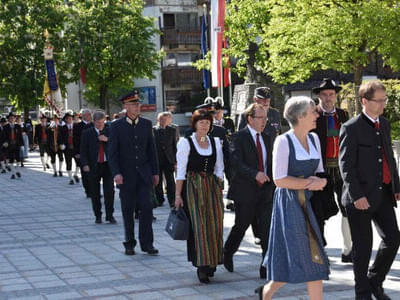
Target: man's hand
column 261, row 178
column 118, row 179
column 156, row 179
column 397, row 196
column 86, row 168
column 103, row 138
column 178, row 201
column 361, row 203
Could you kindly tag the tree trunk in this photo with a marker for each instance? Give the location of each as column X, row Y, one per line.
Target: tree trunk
column 103, row 94
column 358, row 71
column 26, row 113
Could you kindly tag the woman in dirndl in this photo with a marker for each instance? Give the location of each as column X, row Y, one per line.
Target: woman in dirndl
column 295, row 249
column 199, row 184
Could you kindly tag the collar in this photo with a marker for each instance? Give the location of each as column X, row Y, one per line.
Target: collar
column 131, row 122
column 328, row 112
column 252, row 131
column 370, row 118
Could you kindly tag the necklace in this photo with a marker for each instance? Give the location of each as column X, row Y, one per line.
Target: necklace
column 201, row 139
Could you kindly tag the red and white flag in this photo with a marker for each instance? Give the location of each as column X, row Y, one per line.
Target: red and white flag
column 217, row 31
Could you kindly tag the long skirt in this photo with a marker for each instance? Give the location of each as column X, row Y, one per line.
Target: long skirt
column 203, row 204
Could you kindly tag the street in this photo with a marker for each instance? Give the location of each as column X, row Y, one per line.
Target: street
column 50, row 248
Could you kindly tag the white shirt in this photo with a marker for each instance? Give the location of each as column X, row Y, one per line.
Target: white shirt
column 280, row 161
column 104, row 146
column 264, row 151
column 182, row 156
column 328, row 112
column 371, row 119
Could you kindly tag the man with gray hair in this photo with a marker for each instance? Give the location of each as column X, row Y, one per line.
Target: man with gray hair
column 86, row 115
column 94, row 161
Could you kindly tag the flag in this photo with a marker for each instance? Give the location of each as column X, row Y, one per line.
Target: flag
column 227, row 73
column 204, row 50
column 83, row 75
column 217, row 31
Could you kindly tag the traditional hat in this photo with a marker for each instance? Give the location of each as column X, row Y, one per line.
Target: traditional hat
column 68, row 114
column 327, row 84
column 133, row 96
column 262, row 93
column 11, row 114
column 219, row 103
column 3, row 120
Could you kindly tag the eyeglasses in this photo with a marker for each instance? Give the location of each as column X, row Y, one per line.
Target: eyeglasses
column 260, row 117
column 380, row 101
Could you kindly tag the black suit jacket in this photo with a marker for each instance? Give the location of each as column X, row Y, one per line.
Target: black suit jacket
column 38, row 133
column 18, row 135
column 77, row 134
column 244, row 165
column 321, row 129
column 90, row 147
column 360, row 160
column 165, row 140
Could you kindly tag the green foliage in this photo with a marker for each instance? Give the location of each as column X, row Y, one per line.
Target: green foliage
column 22, row 69
column 112, row 40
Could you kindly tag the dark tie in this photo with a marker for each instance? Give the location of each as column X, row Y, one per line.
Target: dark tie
column 260, row 154
column 387, row 177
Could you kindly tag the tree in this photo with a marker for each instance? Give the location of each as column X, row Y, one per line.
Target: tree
column 22, row 69
column 112, row 40
column 298, row 37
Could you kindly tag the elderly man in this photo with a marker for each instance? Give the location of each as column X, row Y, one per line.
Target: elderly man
column 329, row 121
column 370, row 190
column 134, row 166
column 94, row 161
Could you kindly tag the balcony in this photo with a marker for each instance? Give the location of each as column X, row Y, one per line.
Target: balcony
column 174, row 76
column 183, row 37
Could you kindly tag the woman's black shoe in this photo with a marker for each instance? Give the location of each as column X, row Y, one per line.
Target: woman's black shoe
column 211, row 271
column 202, row 275
column 259, row 291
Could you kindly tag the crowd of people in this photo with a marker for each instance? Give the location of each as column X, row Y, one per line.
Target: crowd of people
column 284, row 185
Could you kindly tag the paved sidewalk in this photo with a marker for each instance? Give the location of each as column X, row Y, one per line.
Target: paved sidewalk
column 50, row 248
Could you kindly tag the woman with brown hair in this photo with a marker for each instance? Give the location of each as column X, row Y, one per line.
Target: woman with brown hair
column 199, row 183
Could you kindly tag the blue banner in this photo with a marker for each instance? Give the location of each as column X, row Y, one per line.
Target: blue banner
column 204, row 50
column 51, row 75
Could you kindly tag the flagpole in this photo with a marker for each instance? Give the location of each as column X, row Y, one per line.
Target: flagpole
column 206, row 34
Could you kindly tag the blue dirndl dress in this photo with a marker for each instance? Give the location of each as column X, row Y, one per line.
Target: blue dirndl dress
column 288, row 258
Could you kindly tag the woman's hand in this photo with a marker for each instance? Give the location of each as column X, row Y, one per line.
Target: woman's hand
column 178, row 201
column 317, row 184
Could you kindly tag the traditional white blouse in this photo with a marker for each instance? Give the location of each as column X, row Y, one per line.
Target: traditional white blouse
column 182, row 156
column 280, row 154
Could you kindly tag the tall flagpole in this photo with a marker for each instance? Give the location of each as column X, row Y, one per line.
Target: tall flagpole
column 206, row 34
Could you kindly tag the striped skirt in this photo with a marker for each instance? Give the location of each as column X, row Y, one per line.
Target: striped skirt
column 206, row 212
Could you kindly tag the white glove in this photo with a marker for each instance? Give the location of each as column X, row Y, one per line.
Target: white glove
column 5, row 145
column 62, row 147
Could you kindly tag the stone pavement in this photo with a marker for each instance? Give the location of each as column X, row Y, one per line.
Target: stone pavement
column 50, row 248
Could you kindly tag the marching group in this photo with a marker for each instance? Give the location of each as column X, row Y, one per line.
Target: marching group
column 282, row 185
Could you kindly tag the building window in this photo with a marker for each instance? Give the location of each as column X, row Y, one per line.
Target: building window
column 169, row 21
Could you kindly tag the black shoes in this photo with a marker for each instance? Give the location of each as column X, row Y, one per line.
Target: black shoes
column 150, row 251
column 71, row 182
column 111, row 220
column 12, row 176
column 18, row 174
column 228, row 262
column 47, row 166
column 3, row 171
column 210, row 271
column 55, row 174
column 347, row 258
column 378, row 292
column 202, row 275
column 60, row 173
column 8, row 169
column 364, row 297
column 76, row 179
column 129, row 248
column 98, row 220
column 263, row 272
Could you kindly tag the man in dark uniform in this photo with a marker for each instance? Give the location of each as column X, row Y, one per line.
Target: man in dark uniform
column 13, row 142
column 56, row 145
column 370, row 190
column 94, row 160
column 262, row 95
column 134, row 166
column 70, row 150
column 165, row 138
column 252, row 187
column 86, row 122
column 219, row 118
column 329, row 122
column 40, row 138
